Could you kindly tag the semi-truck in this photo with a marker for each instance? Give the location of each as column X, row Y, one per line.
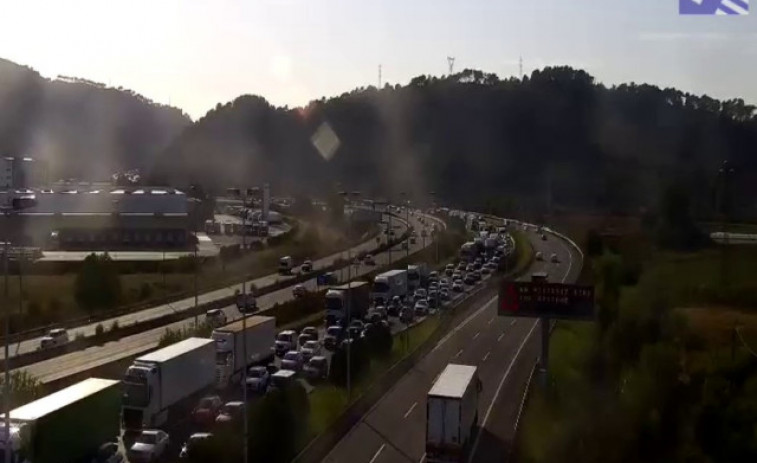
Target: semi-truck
column 417, row 274
column 165, row 383
column 354, row 295
column 256, row 335
column 65, row 426
column 387, row 285
column 452, row 414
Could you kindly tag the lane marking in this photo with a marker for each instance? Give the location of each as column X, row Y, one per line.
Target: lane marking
column 491, row 320
column 500, row 337
column 465, row 322
column 458, row 353
column 378, row 452
column 476, row 335
column 513, row 322
column 523, row 399
column 423, row 457
column 410, row 410
column 499, row 389
column 486, row 356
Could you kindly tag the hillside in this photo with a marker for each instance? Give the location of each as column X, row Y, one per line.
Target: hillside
column 84, row 129
column 476, row 139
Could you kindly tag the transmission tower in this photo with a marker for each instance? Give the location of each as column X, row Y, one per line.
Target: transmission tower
column 379, row 82
column 520, row 67
column 451, row 63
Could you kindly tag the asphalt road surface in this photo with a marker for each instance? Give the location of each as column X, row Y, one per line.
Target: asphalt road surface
column 504, row 349
column 76, row 362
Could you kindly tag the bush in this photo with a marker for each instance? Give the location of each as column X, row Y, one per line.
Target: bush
column 285, row 414
column 98, row 283
column 99, row 330
column 24, row 388
column 114, row 325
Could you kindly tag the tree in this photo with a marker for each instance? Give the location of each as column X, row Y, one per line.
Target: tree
column 97, row 284
column 278, row 423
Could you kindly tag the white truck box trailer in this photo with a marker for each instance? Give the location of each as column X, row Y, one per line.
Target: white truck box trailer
column 389, row 284
column 65, row 426
column 167, row 381
column 259, row 334
column 452, row 414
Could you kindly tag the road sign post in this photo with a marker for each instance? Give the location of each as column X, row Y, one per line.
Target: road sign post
column 545, row 301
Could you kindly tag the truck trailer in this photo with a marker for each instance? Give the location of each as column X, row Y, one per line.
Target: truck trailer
column 167, row 382
column 389, row 284
column 353, row 296
column 256, row 335
column 66, row 426
column 452, row 414
column 417, row 276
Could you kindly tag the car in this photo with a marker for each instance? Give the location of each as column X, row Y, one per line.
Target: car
column 406, row 315
column 458, row 275
column 412, row 241
column 215, row 317
column 485, row 270
column 476, row 275
column 469, row 279
column 54, row 338
column 231, row 412
column 554, row 259
column 149, row 446
column 433, row 301
column 469, row 268
column 433, row 275
column 372, row 316
column 316, row 368
column 207, row 410
column 450, row 267
column 449, row 271
column 544, row 237
column 108, row 453
column 258, row 378
column 381, row 311
column 433, row 286
column 292, row 360
column 299, row 291
column 192, row 443
column 311, row 332
column 369, row 260
column 310, row 349
column 271, row 368
column 444, row 295
column 285, row 341
column 404, row 245
column 539, row 256
column 246, row 302
column 306, row 266
column 477, row 265
column 357, row 324
column 420, row 293
column 333, row 337
column 421, row 307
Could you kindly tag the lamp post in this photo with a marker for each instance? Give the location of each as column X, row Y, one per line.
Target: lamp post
column 346, row 195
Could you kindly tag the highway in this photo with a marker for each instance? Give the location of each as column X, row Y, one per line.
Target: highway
column 503, row 349
column 76, row 362
column 188, row 303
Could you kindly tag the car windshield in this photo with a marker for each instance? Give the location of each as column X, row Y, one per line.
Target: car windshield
column 291, row 356
column 206, row 403
column 311, row 345
column 147, row 438
column 255, row 372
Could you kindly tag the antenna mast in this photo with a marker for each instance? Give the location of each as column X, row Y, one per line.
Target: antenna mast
column 379, row 80
column 451, row 63
column 520, row 68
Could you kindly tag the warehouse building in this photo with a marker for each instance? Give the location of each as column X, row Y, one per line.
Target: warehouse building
column 80, row 217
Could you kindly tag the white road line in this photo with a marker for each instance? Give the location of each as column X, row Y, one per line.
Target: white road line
column 513, row 322
column 523, row 399
column 500, row 337
column 499, row 388
column 410, row 410
column 486, row 356
column 458, row 353
column 465, row 322
column 476, row 335
column 378, row 452
column 423, row 457
column 491, row 320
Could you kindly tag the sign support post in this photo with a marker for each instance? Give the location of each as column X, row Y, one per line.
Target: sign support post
column 544, row 359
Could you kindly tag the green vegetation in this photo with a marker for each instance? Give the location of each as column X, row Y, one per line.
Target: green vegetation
column 24, row 388
column 172, row 336
column 667, row 374
column 97, row 285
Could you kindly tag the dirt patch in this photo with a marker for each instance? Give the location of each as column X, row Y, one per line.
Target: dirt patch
column 716, row 324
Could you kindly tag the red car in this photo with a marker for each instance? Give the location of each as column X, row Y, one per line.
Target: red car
column 207, row 410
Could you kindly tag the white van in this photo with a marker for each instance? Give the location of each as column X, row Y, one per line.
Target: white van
column 286, row 265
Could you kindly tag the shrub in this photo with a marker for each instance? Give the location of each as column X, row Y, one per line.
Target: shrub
column 99, row 330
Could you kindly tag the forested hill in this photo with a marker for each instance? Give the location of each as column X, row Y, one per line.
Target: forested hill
column 84, row 129
column 475, row 139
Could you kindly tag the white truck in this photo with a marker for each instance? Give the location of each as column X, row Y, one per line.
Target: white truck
column 286, row 265
column 256, row 335
column 387, row 285
column 452, row 414
column 66, row 426
column 167, row 382
column 417, row 274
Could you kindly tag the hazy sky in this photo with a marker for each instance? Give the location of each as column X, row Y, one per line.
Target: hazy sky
column 197, row 53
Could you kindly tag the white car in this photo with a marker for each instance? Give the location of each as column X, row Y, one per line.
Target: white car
column 539, row 256
column 421, row 307
column 149, row 446
column 299, row 290
column 420, row 293
column 310, row 349
column 215, row 317
column 55, row 337
column 285, row 341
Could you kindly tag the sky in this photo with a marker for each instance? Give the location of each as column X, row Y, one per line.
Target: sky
column 194, row 54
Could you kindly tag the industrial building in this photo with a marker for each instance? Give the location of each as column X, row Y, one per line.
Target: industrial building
column 22, row 172
column 98, row 217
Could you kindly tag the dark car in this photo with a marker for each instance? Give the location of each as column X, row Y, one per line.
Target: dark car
column 206, row 411
column 333, row 337
column 469, row 279
column 316, row 368
column 258, row 379
column 230, row 413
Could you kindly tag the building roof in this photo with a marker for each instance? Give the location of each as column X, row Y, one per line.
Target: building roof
column 175, row 350
column 453, row 381
column 61, row 399
column 93, row 200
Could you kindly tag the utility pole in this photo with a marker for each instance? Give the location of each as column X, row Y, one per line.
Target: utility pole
column 520, row 68
column 379, row 77
column 451, row 64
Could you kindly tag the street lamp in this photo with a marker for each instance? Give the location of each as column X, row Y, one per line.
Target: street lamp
column 236, row 192
column 346, row 195
column 17, row 204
